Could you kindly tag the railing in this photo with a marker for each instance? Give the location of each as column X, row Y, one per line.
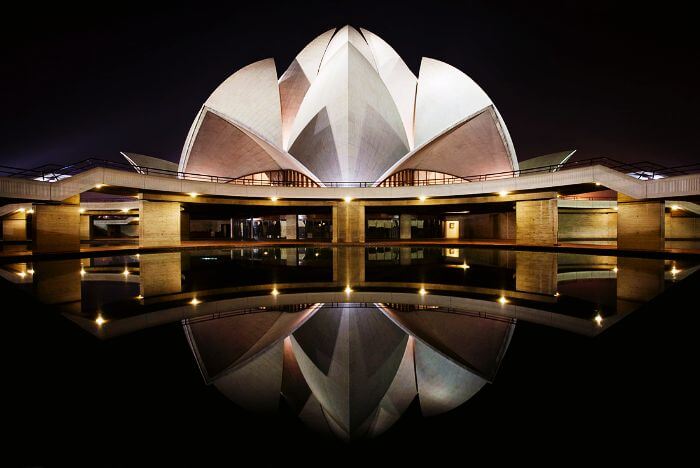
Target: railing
column 644, row 170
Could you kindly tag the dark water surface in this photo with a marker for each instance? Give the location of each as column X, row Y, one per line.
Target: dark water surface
column 341, row 356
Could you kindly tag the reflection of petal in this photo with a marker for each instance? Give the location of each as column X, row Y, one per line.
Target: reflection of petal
column 442, row 384
column 366, row 356
column 255, row 386
column 228, row 342
column 476, row 343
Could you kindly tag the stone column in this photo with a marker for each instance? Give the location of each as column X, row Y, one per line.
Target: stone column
column 85, row 227
column 405, row 226
column 14, row 226
column 536, row 222
column 159, row 224
column 640, row 224
column 639, row 280
column 58, row 281
column 536, row 272
column 291, row 227
column 56, row 228
column 349, row 222
column 160, row 273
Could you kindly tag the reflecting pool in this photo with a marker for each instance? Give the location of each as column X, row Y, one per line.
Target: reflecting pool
column 347, row 342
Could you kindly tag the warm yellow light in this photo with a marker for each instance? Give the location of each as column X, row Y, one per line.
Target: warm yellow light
column 125, row 210
column 82, row 210
column 502, row 300
column 675, row 271
column 347, row 199
column 615, row 270
column 503, row 193
column 422, row 198
column 274, row 198
column 30, row 211
column 275, row 292
column 675, row 207
column 139, row 297
column 31, row 272
column 556, row 294
column 138, row 255
column 265, row 252
column 82, row 271
column 316, row 254
column 598, row 184
column 422, row 292
column 615, row 208
column 21, row 274
column 598, row 319
column 99, row 186
column 21, row 210
column 100, row 321
column 348, row 289
column 125, row 272
column 464, row 266
column 195, row 301
column 193, row 194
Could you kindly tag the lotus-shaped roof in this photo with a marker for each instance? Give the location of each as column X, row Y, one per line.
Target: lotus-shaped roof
column 348, row 109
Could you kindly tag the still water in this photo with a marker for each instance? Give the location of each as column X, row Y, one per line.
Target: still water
column 342, row 346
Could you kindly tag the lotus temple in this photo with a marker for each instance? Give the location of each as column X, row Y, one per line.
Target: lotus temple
column 348, row 145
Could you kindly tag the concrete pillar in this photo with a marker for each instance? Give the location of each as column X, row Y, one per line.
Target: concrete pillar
column 160, row 273
column 640, row 224
column 56, row 228
column 58, row 281
column 292, row 256
column 14, row 226
column 349, row 266
column 291, row 227
column 404, row 255
column 85, row 227
column 349, row 222
column 536, row 272
column 159, row 224
column 536, row 222
column 405, row 226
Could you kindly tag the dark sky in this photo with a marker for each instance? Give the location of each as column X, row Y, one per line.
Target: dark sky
column 607, row 78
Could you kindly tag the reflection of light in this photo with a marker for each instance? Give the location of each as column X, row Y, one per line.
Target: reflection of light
column 195, row 301
column 82, row 271
column 275, row 292
column 675, row 271
column 99, row 186
column 502, row 300
column 274, row 199
column 138, row 255
column 503, row 193
column 99, row 320
column 598, row 319
column 30, row 210
column 464, row 266
column 347, row 199
column 422, row 198
column 675, row 207
column 31, row 272
column 265, row 252
column 193, row 194
column 556, row 294
column 316, row 254
column 348, row 289
column 139, row 297
column 125, row 272
column 615, row 270
column 21, row 274
column 422, row 292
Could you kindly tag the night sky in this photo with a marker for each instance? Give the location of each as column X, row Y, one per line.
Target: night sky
column 607, row 78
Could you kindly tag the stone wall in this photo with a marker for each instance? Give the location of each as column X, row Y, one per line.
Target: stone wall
column 159, row 224
column 536, row 222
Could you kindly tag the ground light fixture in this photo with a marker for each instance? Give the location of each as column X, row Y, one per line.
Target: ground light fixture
column 347, row 199
column 275, row 292
column 422, row 292
column 195, row 301
column 598, row 319
column 99, row 320
column 347, row 289
column 502, row 300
